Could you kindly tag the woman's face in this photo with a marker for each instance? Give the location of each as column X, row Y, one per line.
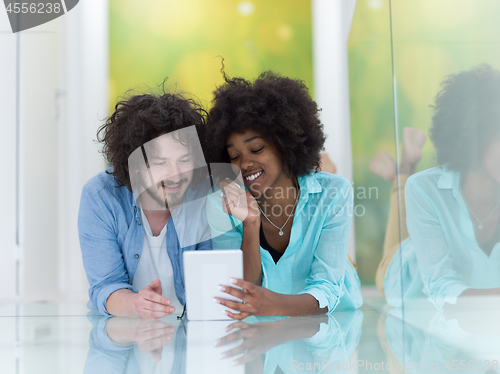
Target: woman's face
column 491, row 159
column 261, row 165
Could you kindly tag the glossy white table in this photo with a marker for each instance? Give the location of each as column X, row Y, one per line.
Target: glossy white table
column 67, row 338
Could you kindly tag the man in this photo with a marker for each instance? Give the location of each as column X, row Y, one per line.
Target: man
column 133, row 218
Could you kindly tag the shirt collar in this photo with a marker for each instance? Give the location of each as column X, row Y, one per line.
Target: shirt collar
column 449, row 179
column 309, row 184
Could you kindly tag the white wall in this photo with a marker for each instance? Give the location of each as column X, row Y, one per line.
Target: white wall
column 331, row 20
column 38, row 164
column 84, row 103
column 8, row 218
column 63, row 76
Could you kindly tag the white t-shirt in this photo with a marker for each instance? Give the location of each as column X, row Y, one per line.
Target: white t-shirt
column 155, row 264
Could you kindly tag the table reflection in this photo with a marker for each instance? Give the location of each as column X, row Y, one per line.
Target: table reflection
column 441, row 341
column 255, row 345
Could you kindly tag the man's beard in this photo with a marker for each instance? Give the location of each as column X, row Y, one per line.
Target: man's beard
column 167, row 200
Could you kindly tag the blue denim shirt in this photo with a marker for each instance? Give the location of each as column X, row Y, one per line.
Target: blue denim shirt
column 105, row 356
column 112, row 237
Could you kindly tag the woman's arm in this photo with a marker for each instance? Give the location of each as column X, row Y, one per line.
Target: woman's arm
column 330, row 272
column 240, row 204
column 260, row 301
column 250, row 245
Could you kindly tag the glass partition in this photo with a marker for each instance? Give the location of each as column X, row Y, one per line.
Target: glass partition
column 436, row 65
column 447, row 95
column 372, row 131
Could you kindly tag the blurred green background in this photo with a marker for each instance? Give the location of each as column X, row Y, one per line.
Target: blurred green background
column 185, row 40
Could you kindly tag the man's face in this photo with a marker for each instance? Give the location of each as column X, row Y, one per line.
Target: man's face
column 169, row 175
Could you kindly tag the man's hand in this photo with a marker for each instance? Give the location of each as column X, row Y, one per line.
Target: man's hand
column 149, row 335
column 150, row 304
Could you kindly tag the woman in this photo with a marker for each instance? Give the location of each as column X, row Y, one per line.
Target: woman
column 295, row 221
column 452, row 211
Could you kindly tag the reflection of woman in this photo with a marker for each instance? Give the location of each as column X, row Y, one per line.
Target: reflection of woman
column 437, row 341
column 453, row 210
column 295, row 236
column 293, row 344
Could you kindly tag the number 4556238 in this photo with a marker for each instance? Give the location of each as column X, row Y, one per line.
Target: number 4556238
column 33, row 8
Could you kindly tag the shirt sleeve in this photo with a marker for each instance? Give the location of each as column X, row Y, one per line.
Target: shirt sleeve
column 442, row 283
column 326, row 280
column 101, row 253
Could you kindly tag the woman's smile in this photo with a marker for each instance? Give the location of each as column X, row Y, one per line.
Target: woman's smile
column 258, row 160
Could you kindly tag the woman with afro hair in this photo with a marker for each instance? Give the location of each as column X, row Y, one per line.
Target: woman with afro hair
column 452, row 247
column 294, row 221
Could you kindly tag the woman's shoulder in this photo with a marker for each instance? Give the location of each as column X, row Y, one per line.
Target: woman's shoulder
column 325, row 187
column 326, row 180
column 433, row 178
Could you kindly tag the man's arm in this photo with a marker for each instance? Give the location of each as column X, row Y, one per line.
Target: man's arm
column 102, row 256
column 110, row 290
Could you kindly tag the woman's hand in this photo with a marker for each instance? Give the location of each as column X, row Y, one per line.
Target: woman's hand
column 260, row 337
column 257, row 338
column 239, row 203
column 257, row 300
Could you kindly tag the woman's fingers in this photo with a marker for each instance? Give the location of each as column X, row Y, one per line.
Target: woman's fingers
column 240, row 307
column 234, row 351
column 238, row 316
column 248, row 286
column 237, row 325
column 240, row 294
column 240, row 334
column 250, row 356
column 233, row 195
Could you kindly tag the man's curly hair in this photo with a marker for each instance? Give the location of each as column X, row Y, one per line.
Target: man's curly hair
column 142, row 118
column 280, row 109
column 466, row 117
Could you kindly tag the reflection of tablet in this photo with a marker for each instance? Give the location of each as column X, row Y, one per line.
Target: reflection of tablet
column 202, row 356
column 204, row 272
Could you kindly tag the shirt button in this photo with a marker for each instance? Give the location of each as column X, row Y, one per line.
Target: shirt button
column 139, row 223
column 129, row 282
column 136, row 256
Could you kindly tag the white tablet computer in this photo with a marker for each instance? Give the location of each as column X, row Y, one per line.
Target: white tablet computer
column 204, row 272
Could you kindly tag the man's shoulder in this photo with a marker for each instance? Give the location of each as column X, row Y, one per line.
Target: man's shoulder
column 104, row 185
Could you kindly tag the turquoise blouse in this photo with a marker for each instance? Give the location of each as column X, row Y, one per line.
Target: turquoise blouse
column 315, row 261
column 441, row 258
